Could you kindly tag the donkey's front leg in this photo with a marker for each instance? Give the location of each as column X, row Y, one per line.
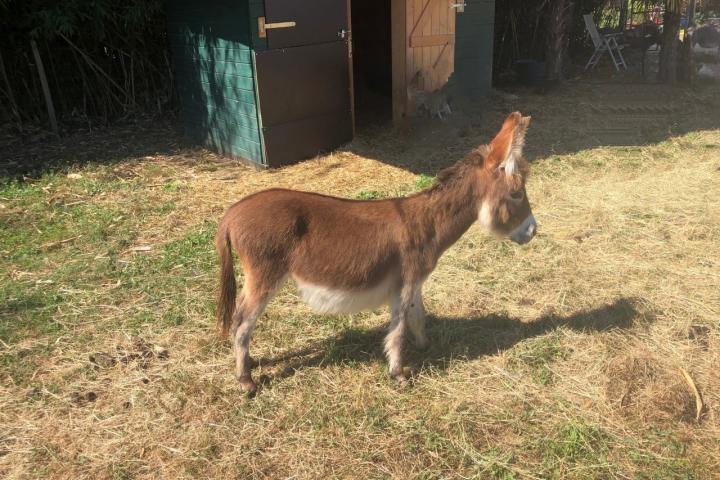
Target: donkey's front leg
column 400, row 306
column 416, row 320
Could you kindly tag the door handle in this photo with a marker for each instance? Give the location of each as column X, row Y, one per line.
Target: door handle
column 263, row 27
column 343, row 33
column 459, row 7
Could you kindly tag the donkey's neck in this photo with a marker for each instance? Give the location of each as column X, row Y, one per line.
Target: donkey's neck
column 449, row 210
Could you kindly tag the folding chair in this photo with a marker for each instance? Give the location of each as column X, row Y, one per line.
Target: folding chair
column 604, row 43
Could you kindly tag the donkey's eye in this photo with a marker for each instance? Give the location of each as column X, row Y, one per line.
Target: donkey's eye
column 517, row 195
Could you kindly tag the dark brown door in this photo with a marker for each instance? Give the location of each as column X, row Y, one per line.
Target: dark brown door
column 304, row 81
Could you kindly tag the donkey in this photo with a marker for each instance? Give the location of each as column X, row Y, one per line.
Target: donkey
column 351, row 255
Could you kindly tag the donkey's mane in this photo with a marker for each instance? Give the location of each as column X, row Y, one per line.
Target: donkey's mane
column 450, row 176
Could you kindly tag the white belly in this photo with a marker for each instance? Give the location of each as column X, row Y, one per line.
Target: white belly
column 328, row 300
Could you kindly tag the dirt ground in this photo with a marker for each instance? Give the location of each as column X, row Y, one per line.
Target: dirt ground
column 592, row 352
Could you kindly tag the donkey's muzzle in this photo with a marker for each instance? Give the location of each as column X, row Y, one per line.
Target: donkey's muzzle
column 525, row 232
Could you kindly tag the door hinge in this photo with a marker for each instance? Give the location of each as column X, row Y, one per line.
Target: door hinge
column 263, row 27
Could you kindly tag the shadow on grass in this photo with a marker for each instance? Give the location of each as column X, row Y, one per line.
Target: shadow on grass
column 583, row 114
column 467, row 338
column 121, row 142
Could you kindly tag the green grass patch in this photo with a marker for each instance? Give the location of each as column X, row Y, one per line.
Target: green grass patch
column 575, row 446
column 536, row 355
column 370, row 195
column 424, row 181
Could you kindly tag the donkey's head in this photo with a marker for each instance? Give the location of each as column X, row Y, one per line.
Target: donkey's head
column 504, row 208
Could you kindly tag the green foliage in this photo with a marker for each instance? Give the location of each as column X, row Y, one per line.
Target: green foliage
column 101, row 57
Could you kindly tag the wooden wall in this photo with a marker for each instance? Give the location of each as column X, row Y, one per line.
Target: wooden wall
column 214, row 74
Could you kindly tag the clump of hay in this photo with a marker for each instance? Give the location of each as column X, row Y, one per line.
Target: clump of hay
column 640, row 386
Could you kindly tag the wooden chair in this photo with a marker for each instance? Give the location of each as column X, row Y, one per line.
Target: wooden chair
column 604, row 43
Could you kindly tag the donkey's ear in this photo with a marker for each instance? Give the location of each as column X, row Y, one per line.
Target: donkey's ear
column 506, row 148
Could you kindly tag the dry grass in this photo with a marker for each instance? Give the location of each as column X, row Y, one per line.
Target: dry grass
column 560, row 359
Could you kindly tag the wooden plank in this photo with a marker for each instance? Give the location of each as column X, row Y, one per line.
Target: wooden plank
column 426, row 58
column 432, row 40
column 434, row 50
column 444, row 62
column 398, row 20
column 350, row 64
column 192, row 98
column 220, row 144
column 197, row 113
column 217, row 93
column 191, row 70
column 199, row 40
column 216, row 54
column 422, row 18
column 417, row 54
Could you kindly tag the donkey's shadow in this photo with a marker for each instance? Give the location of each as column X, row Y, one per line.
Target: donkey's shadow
column 467, row 338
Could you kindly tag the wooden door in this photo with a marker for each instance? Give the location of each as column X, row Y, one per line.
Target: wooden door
column 430, row 30
column 303, row 79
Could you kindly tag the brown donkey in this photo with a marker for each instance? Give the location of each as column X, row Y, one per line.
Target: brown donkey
column 352, row 255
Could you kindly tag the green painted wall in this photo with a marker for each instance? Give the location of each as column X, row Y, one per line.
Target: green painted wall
column 474, row 48
column 211, row 46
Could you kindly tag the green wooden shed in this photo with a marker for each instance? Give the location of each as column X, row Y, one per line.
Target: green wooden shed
column 274, row 82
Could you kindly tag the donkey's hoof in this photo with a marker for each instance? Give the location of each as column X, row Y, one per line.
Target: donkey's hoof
column 402, row 381
column 248, row 385
column 402, row 377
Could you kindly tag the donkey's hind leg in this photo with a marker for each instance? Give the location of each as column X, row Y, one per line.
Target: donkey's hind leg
column 256, row 297
column 247, row 315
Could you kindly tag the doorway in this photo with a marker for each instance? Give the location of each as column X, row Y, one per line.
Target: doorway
column 372, row 61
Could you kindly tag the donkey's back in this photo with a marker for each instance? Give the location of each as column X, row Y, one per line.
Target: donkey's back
column 314, row 238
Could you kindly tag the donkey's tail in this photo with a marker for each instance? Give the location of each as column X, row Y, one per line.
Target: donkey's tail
column 228, row 288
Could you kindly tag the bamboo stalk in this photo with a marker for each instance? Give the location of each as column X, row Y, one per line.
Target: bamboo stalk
column 9, row 93
column 132, row 76
column 45, row 87
column 94, row 65
column 85, row 89
column 59, row 97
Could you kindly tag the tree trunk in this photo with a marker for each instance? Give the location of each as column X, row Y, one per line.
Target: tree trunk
column 669, row 54
column 559, row 23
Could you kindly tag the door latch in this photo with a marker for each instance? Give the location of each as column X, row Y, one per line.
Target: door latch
column 263, row 27
column 343, row 33
column 459, row 7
